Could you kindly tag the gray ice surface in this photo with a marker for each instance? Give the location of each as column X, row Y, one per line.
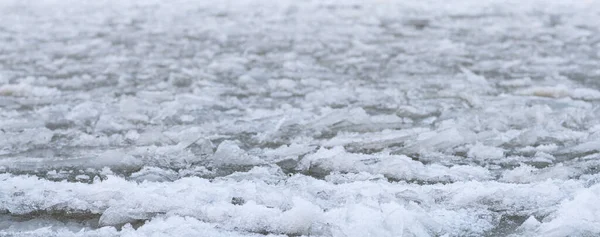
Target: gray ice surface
column 282, row 117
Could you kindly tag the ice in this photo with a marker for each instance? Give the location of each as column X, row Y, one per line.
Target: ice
column 112, row 158
column 160, row 226
column 270, row 207
column 299, row 118
column 516, row 82
column 482, row 152
column 560, row 91
column 579, row 216
column 395, row 167
column 153, row 174
column 229, row 153
column 440, row 140
column 529, row 225
column 529, row 174
column 26, row 90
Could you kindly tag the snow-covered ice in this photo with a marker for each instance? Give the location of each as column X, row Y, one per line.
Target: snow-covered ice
column 299, row 118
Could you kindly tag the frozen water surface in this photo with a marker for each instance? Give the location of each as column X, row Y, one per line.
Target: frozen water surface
column 290, row 118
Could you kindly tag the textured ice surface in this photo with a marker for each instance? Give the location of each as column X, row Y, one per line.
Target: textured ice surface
column 290, row 118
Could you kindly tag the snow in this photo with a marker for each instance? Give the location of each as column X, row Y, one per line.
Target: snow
column 299, row 118
column 578, row 216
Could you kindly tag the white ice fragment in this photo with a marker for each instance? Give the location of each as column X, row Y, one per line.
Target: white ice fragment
column 388, row 118
column 271, row 174
column 393, row 166
column 289, row 151
column 86, row 111
column 26, row 90
column 152, row 137
column 330, row 96
column 585, row 94
column 111, row 123
column 229, row 153
column 411, row 111
column 441, row 139
column 52, row 174
column 553, row 92
column 374, row 139
column 282, row 84
column 112, row 158
column 531, row 136
column 521, row 174
column 132, row 135
column 154, row 96
column 483, row 152
column 106, row 171
column 186, row 118
column 299, row 219
column 547, row 148
column 473, row 78
column 133, row 109
column 246, row 80
column 33, row 136
column 561, row 91
column 91, row 140
column 583, row 147
column 516, row 82
column 82, row 177
column 114, row 216
column 529, row 174
column 383, row 219
column 154, row 174
column 312, row 82
column 577, row 217
column 340, row 178
column 338, row 116
column 529, row 225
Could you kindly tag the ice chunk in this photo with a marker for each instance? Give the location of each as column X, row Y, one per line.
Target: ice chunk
column 483, row 152
column 11, row 141
column 154, row 174
column 116, row 216
column 26, row 90
column 300, row 219
column 585, row 94
column 577, row 217
column 229, row 153
column 521, row 174
column 583, row 147
column 440, row 140
column 286, row 151
column 553, row 92
column 530, row 225
column 112, row 158
column 85, row 112
column 271, row 174
column 560, row 91
column 386, row 219
column 132, row 135
column 474, row 78
column 394, row 166
column 516, row 82
column 282, row 84
column 374, row 140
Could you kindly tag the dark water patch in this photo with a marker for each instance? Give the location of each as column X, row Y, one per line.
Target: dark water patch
column 79, row 218
column 507, row 225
